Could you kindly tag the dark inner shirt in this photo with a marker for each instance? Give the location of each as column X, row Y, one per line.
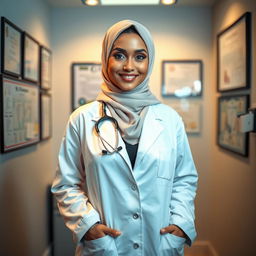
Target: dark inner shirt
column 132, row 152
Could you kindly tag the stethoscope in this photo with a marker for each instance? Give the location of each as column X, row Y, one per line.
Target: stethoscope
column 106, row 144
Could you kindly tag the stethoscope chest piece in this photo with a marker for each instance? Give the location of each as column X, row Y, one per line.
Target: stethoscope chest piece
column 107, row 131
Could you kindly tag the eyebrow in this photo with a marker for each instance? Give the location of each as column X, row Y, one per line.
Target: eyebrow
column 124, row 51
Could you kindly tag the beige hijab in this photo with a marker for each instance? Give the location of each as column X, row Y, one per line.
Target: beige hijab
column 129, row 108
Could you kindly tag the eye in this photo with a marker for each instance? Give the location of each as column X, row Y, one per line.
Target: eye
column 140, row 57
column 119, row 56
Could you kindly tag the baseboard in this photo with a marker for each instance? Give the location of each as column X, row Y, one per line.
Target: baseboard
column 204, row 248
column 47, row 251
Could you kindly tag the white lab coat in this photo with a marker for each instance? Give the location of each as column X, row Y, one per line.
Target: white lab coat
column 157, row 192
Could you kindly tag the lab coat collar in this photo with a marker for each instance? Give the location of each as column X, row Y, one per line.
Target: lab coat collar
column 152, row 128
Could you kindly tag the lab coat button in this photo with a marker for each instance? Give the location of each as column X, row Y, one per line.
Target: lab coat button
column 134, row 187
column 136, row 246
column 135, row 216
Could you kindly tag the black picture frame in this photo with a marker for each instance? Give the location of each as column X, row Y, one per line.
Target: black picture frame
column 86, row 80
column 19, row 109
column 45, row 116
column 229, row 137
column 31, row 59
column 11, row 48
column 182, row 78
column 234, row 55
column 45, row 68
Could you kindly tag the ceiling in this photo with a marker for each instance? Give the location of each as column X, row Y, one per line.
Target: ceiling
column 77, row 3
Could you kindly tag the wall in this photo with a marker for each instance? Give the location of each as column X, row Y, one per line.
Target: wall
column 25, row 173
column 179, row 33
column 232, row 188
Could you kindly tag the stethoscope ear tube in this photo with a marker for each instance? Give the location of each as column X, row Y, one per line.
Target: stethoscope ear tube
column 105, row 117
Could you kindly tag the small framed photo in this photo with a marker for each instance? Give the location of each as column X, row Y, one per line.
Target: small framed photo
column 191, row 115
column 229, row 136
column 31, row 58
column 86, row 83
column 233, row 55
column 46, row 116
column 45, row 68
column 11, row 50
column 19, row 114
column 182, row 78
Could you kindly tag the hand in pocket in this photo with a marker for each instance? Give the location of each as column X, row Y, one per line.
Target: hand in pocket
column 174, row 230
column 100, row 230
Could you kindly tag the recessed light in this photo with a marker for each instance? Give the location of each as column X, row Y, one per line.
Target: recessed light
column 168, row 2
column 90, row 2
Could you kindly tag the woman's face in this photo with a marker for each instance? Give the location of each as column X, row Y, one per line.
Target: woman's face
column 128, row 61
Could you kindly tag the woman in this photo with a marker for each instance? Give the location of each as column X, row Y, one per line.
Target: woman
column 127, row 187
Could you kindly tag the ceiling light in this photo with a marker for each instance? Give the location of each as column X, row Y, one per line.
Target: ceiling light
column 129, row 2
column 169, row 2
column 90, row 2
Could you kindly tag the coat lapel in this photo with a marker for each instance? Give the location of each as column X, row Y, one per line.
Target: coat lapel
column 152, row 128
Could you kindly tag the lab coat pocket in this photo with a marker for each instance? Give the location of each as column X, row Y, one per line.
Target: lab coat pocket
column 172, row 245
column 166, row 161
column 104, row 246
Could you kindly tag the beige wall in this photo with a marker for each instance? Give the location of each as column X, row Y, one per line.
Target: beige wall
column 25, row 173
column 232, row 187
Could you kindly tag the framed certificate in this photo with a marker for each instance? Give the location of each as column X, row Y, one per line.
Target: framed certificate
column 19, row 114
column 233, row 55
column 46, row 116
column 229, row 136
column 31, row 58
column 45, row 68
column 11, row 50
column 86, row 82
column 182, row 78
column 191, row 115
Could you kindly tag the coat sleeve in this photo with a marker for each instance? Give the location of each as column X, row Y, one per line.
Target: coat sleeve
column 73, row 204
column 184, row 187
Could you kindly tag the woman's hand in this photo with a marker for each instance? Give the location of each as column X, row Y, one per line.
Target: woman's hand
column 100, row 230
column 174, row 230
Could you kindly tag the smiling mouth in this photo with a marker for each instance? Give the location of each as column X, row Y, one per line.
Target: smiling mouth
column 128, row 78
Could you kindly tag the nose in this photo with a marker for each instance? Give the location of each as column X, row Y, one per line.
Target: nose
column 128, row 65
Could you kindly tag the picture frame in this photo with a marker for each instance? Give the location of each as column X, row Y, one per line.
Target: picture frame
column 229, row 137
column 31, row 51
column 19, row 114
column 182, row 78
column 233, row 55
column 191, row 113
column 45, row 68
column 86, row 82
column 11, row 48
column 45, row 116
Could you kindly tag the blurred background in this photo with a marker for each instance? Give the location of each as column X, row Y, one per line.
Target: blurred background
column 226, row 198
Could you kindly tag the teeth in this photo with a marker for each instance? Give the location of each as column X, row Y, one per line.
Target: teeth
column 128, row 77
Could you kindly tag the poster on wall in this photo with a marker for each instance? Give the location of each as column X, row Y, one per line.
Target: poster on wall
column 182, row 78
column 191, row 115
column 86, row 82
column 19, row 114
column 45, row 68
column 11, row 48
column 233, row 55
column 229, row 135
column 31, row 59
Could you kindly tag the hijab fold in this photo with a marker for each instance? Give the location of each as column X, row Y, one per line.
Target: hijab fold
column 129, row 108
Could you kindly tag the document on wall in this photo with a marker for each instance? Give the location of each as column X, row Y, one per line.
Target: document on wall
column 20, row 114
column 12, row 49
column 87, row 80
